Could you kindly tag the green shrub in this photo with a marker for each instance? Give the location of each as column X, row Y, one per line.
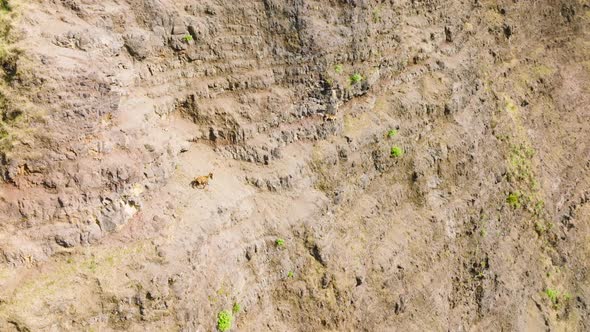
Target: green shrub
column 187, row 38
column 396, row 151
column 513, row 200
column 5, row 5
column 338, row 68
column 355, row 78
column 290, row 274
column 391, row 133
column 236, row 308
column 224, row 320
column 552, row 294
column 280, row 242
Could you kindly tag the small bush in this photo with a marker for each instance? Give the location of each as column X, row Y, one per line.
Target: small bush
column 552, row 294
column 355, row 78
column 187, row 38
column 5, row 5
column 236, row 308
column 513, row 200
column 396, row 151
column 280, row 242
column 391, row 133
column 224, row 320
column 338, row 68
column 290, row 274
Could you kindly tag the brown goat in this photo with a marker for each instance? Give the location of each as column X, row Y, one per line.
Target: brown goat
column 201, row 181
column 330, row 117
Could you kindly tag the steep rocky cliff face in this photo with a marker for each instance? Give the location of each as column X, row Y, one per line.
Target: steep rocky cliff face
column 411, row 165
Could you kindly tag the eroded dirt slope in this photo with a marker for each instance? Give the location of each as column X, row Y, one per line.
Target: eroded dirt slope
column 377, row 165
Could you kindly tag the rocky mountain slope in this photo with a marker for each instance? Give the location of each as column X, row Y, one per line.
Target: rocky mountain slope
column 407, row 165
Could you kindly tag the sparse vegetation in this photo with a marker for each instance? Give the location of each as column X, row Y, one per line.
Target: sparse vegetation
column 279, row 242
column 520, row 164
column 92, row 265
column 397, row 152
column 392, row 133
column 513, row 200
column 376, row 14
column 521, row 169
column 339, row 68
column 11, row 112
column 356, row 78
column 236, row 308
column 542, row 227
column 187, row 38
column 326, row 174
column 224, row 320
column 290, row 274
column 539, row 208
